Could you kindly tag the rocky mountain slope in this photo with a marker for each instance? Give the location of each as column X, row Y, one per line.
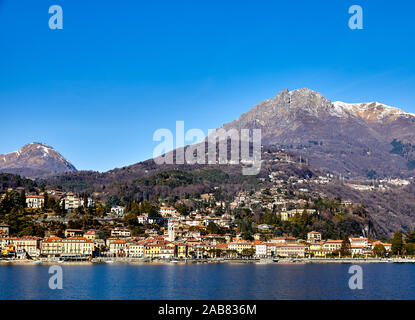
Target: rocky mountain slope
column 35, row 160
column 348, row 139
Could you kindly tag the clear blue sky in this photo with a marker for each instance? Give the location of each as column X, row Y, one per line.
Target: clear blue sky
column 119, row 70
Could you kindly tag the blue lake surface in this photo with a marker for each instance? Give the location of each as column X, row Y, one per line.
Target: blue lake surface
column 212, row 281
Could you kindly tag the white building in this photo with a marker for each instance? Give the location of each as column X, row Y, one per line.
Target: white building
column 136, row 249
column 118, row 210
column 314, row 236
column 167, row 211
column 261, row 250
column 120, row 233
column 35, row 202
column 171, row 233
column 72, row 202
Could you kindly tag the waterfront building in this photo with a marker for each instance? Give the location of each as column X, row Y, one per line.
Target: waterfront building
column 181, row 250
column 315, row 249
column 332, row 245
column 153, row 250
column 51, row 246
column 78, row 246
column 260, row 249
column 29, row 245
column 358, row 250
column 55, row 246
column 117, row 247
column 361, row 241
column 290, row 250
column 240, row 245
column 136, row 249
column 387, row 246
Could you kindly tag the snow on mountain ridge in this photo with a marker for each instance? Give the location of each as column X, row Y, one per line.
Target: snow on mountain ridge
column 370, row 110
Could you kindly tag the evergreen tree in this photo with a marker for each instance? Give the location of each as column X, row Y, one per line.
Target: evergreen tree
column 46, row 200
column 23, row 198
column 410, row 237
column 397, row 243
column 379, row 250
column 85, row 201
column 346, row 248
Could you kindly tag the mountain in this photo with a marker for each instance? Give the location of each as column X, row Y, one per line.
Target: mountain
column 357, row 139
column 35, row 160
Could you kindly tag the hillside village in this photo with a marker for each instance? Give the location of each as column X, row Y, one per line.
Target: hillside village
column 269, row 223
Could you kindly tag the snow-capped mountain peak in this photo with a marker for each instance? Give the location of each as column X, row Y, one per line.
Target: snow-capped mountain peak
column 371, row 111
column 35, row 157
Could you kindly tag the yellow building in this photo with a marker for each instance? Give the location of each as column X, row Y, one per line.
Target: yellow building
column 55, row 246
column 332, row 245
column 316, row 250
column 90, row 235
column 290, row 250
column 240, row 245
column 181, row 250
column 73, row 233
column 153, row 250
column 78, row 245
column 52, row 246
column 8, row 249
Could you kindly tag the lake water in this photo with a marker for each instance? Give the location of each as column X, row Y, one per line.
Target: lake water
column 213, row 281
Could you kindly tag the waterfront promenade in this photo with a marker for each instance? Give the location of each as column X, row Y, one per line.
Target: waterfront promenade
column 129, row 260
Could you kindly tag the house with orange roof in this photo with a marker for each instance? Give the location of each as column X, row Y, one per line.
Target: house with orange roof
column 290, row 250
column 240, row 245
column 35, row 201
column 55, row 246
column 260, row 249
column 386, row 245
column 332, row 245
column 74, row 233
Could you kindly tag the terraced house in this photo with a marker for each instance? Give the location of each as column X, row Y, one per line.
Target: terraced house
column 290, row 250
column 55, row 246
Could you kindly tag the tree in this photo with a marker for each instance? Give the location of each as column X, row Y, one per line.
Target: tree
column 379, row 250
column 410, row 237
column 409, row 249
column 397, row 243
column 85, row 201
column 63, row 207
column 213, row 228
column 248, row 252
column 23, row 198
column 45, row 200
column 182, row 209
column 346, row 248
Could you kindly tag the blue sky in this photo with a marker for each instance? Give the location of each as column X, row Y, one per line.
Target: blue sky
column 98, row 89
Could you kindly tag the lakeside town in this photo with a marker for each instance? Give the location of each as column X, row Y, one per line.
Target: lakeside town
column 65, row 227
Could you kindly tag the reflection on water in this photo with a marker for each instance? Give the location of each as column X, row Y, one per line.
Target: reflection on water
column 213, row 281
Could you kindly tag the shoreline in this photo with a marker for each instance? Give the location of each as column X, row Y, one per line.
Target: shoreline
column 282, row 261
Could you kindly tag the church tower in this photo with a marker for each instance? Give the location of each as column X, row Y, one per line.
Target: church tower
column 170, row 228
